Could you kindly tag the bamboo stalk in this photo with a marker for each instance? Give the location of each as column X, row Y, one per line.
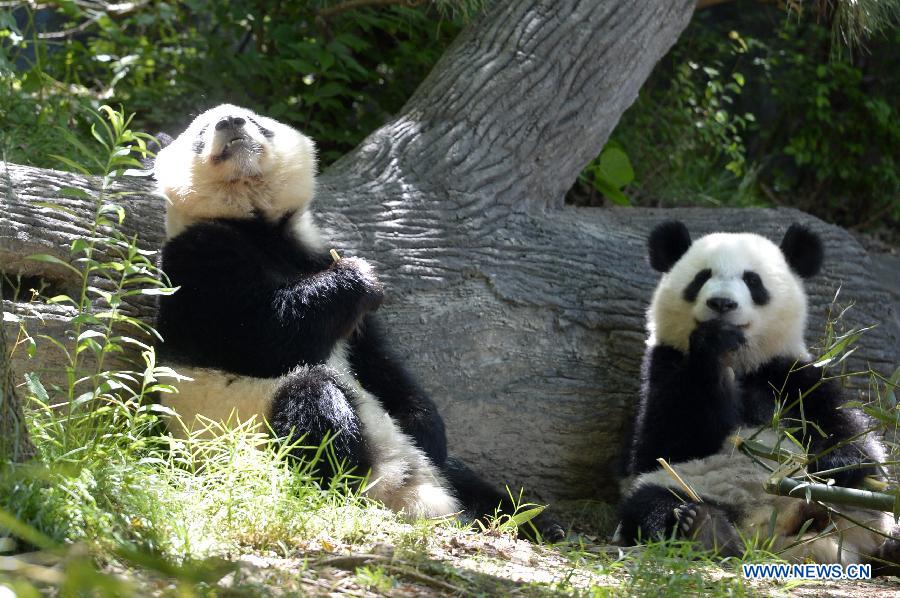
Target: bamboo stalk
column 674, row 475
column 850, row 497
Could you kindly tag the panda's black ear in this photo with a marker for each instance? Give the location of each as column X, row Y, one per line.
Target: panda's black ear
column 803, row 250
column 667, row 243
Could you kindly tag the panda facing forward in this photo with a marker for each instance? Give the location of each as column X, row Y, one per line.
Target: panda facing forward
column 726, row 342
column 265, row 323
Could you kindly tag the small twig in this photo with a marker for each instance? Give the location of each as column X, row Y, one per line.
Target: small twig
column 427, row 579
column 770, row 194
column 352, row 561
column 38, row 573
column 71, row 32
column 777, row 454
column 677, row 478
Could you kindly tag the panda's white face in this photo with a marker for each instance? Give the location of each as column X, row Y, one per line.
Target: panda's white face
column 742, row 279
column 233, row 163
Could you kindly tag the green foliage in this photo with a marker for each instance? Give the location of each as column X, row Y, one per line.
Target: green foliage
column 336, row 77
column 833, row 145
column 744, row 113
column 684, row 134
column 609, row 173
column 510, row 523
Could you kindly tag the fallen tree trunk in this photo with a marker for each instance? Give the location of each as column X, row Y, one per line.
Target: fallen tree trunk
column 523, row 317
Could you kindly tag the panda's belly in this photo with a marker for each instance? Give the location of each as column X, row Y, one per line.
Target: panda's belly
column 731, row 478
column 211, row 397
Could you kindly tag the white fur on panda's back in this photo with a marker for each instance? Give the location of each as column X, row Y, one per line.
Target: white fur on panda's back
column 730, row 477
column 402, row 477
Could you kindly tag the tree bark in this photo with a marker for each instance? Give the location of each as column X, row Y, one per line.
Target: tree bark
column 523, row 317
column 15, row 443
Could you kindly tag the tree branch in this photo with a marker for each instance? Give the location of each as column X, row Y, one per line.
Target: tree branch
column 525, row 97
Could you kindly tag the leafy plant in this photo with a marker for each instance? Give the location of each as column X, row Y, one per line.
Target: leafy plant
column 609, row 173
column 833, row 143
column 335, row 70
column 683, row 133
column 756, row 107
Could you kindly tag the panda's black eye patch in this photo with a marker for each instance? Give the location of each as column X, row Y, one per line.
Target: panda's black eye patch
column 758, row 291
column 692, row 290
column 265, row 132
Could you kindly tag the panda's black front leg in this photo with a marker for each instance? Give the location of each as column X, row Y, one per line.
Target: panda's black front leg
column 689, row 402
column 710, row 344
column 321, row 309
column 837, row 437
column 382, row 373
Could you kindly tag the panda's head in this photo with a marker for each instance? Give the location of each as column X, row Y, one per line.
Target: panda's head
column 232, row 163
column 741, row 278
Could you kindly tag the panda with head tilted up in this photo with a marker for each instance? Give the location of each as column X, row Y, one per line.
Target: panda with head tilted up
column 726, row 342
column 265, row 323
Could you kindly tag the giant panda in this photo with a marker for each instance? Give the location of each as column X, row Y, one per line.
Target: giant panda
column 265, row 323
column 726, row 341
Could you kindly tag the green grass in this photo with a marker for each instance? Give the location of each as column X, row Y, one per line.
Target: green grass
column 136, row 512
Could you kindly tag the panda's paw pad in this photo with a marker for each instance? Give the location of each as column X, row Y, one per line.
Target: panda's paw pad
column 685, row 514
column 709, row 526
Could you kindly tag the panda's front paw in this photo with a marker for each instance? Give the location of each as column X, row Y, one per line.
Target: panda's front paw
column 715, row 338
column 709, row 526
column 363, row 274
column 849, row 455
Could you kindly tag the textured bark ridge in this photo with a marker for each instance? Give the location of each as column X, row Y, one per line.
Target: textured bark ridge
column 524, row 318
column 15, row 443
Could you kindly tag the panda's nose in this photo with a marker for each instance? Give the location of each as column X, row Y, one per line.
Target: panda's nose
column 230, row 122
column 721, row 304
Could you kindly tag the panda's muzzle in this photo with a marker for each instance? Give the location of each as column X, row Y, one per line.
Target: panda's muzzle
column 230, row 122
column 230, row 135
column 721, row 305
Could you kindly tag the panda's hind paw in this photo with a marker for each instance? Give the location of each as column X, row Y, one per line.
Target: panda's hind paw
column 685, row 515
column 709, row 526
